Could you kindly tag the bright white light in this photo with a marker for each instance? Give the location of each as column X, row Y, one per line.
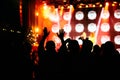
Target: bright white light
column 118, row 49
column 67, row 28
column 79, row 27
column 105, row 14
column 117, row 13
column 56, row 39
column 117, row 26
column 55, row 28
column 117, row 39
column 105, row 39
column 105, row 27
column 79, row 15
column 67, row 16
column 80, row 41
column 92, row 15
column 53, row 18
column 92, row 27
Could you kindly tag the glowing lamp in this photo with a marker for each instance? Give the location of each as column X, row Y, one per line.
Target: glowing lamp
column 67, row 28
column 92, row 27
column 117, row 13
column 105, row 14
column 79, row 27
column 79, row 15
column 117, row 39
column 105, row 39
column 105, row 27
column 117, row 26
column 55, row 28
column 92, row 15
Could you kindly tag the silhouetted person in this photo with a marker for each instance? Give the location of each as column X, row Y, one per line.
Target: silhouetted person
column 47, row 57
column 110, row 59
column 87, row 60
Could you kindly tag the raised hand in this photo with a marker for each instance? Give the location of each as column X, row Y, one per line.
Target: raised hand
column 46, row 32
column 61, row 33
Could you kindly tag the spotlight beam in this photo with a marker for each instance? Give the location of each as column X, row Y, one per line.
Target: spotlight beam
column 98, row 25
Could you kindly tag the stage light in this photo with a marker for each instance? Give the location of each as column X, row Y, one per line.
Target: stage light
column 117, row 39
column 67, row 28
column 105, row 38
column 79, row 15
column 117, row 26
column 117, row 13
column 92, row 27
column 80, row 41
column 93, row 5
column 79, row 27
column 37, row 14
column 113, row 4
column 86, row 6
column 67, row 16
column 55, row 28
column 105, row 27
column 36, row 29
column 107, row 4
column 53, row 17
column 80, row 6
column 92, row 15
column 100, row 5
column 56, row 39
column 105, row 14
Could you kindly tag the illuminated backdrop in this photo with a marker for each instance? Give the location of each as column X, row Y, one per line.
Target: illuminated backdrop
column 98, row 22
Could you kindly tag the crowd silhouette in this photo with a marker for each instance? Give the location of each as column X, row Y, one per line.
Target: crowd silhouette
column 70, row 59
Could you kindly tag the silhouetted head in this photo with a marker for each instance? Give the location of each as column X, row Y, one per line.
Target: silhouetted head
column 73, row 46
column 87, row 45
column 50, row 45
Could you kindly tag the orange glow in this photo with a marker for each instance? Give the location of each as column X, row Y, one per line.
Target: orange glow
column 113, row 4
column 107, row 4
column 36, row 13
column 36, row 29
column 47, row 16
column 20, row 6
column 68, row 7
column 94, row 5
column 61, row 10
column 72, row 8
column 80, row 6
column 20, row 12
column 84, row 35
column 100, row 5
column 92, row 37
column 35, row 44
column 86, row 6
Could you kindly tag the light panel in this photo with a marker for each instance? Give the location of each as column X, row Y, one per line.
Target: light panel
column 117, row 27
column 67, row 16
column 117, row 39
column 55, row 28
column 105, row 27
column 92, row 15
column 92, row 27
column 79, row 15
column 105, row 14
column 105, row 38
column 117, row 13
column 79, row 27
column 67, row 28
